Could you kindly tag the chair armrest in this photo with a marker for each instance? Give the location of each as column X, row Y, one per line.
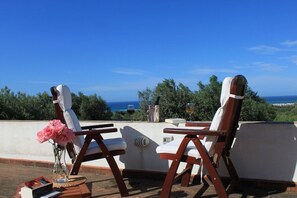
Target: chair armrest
column 203, row 132
column 89, row 127
column 94, row 132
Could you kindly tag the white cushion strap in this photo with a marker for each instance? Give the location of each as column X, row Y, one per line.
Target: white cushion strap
column 236, row 97
column 55, row 101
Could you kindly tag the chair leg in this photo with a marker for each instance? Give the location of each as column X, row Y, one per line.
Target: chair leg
column 117, row 175
column 233, row 174
column 75, row 168
column 114, row 167
column 167, row 186
column 215, row 179
column 206, row 183
column 79, row 158
column 187, row 176
column 214, row 176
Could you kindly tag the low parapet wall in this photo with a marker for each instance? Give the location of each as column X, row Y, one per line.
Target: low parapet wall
column 261, row 150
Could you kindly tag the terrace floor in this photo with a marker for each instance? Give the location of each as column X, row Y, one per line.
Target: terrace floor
column 103, row 185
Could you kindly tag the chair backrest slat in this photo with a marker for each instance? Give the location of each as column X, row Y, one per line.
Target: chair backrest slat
column 230, row 117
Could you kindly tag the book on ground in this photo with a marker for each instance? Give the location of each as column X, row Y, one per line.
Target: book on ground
column 51, row 194
column 36, row 187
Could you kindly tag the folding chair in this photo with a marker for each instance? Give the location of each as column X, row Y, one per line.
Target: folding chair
column 88, row 143
column 206, row 146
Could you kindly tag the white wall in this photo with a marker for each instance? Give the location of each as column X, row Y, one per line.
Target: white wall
column 266, row 151
column 261, row 150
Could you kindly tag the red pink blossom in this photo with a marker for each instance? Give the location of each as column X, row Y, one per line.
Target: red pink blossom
column 56, row 131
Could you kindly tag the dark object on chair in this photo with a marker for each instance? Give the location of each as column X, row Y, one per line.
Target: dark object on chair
column 194, row 149
column 82, row 148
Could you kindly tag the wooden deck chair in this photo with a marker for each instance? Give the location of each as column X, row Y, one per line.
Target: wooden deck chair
column 88, row 143
column 217, row 142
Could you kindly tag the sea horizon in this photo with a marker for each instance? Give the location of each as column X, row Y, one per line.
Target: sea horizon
column 122, row 106
column 274, row 100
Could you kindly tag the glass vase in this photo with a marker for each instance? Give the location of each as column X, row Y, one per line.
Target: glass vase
column 60, row 170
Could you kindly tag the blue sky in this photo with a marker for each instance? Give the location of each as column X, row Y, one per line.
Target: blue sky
column 115, row 48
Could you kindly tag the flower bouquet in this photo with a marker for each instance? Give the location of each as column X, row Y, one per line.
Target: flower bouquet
column 58, row 134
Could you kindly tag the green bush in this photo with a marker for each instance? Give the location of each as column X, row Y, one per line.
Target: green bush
column 40, row 107
column 286, row 113
column 206, row 99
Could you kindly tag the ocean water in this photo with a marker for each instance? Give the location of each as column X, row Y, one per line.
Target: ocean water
column 280, row 99
column 122, row 106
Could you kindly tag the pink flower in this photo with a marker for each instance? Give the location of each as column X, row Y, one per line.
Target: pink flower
column 57, row 126
column 56, row 131
column 46, row 134
column 41, row 137
column 65, row 137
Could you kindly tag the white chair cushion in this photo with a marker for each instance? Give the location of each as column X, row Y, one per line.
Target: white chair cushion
column 216, row 121
column 171, row 148
column 111, row 144
column 64, row 97
column 73, row 124
column 65, row 103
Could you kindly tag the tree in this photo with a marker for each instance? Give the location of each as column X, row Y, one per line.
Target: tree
column 255, row 108
column 173, row 99
column 206, row 100
column 44, row 107
column 21, row 106
column 76, row 102
column 145, row 99
column 94, row 108
column 7, row 104
column 287, row 113
column 24, row 107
